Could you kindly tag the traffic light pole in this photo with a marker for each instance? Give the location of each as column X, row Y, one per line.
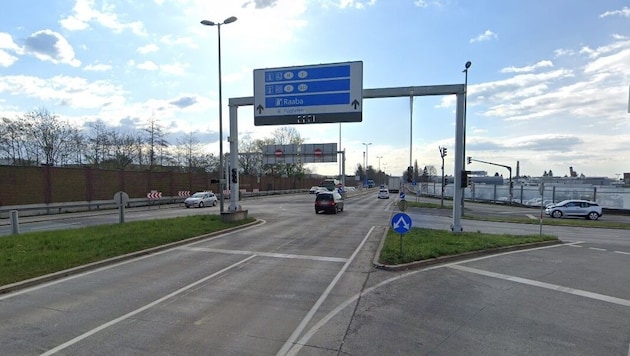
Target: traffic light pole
column 470, row 159
column 442, row 154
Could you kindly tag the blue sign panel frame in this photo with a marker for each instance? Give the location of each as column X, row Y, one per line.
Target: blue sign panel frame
column 325, row 93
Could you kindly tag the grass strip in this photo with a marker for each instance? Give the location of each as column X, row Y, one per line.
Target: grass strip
column 35, row 254
column 423, row 244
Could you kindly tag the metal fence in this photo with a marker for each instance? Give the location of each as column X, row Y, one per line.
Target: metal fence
column 607, row 197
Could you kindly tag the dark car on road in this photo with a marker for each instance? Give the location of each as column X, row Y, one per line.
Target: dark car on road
column 330, row 202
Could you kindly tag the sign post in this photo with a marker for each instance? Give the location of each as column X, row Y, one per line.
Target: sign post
column 541, row 189
column 401, row 223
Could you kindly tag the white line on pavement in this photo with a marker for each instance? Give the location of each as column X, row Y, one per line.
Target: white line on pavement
column 290, row 347
column 555, row 287
column 132, row 313
column 266, row 254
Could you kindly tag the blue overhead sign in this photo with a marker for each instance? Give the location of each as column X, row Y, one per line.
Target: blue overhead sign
column 323, row 93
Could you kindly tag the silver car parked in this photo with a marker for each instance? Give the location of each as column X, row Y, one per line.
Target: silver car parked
column 574, row 208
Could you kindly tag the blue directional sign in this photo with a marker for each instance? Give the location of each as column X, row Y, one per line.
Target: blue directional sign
column 323, row 93
column 402, row 195
column 401, row 223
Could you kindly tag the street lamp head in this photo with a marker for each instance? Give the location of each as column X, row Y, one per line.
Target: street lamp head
column 468, row 64
column 212, row 23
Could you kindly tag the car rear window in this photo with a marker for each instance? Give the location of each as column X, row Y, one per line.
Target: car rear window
column 324, row 196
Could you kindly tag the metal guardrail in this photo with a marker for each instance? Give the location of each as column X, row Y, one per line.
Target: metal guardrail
column 71, row 207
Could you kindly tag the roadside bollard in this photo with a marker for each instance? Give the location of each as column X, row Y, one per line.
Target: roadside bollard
column 15, row 227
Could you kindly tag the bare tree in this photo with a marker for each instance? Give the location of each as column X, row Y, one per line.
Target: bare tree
column 98, row 143
column 250, row 155
column 155, row 140
column 51, row 136
column 13, row 138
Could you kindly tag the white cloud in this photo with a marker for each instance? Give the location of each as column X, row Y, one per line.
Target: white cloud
column 486, row 36
column 6, row 45
column 172, row 40
column 98, row 67
column 174, row 68
column 6, row 59
column 84, row 13
column 148, row 48
column 625, row 12
column 48, row 45
column 561, row 52
column 527, row 69
column 64, row 90
column 147, row 65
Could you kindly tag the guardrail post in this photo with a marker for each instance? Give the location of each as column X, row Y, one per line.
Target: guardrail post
column 15, row 225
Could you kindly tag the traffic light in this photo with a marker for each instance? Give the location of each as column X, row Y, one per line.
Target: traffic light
column 465, row 179
column 469, row 159
column 234, row 175
column 409, row 174
column 444, row 151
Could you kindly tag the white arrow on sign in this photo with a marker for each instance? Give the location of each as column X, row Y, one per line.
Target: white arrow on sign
column 401, row 220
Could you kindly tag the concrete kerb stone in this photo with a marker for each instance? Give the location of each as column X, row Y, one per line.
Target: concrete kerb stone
column 94, row 265
column 453, row 258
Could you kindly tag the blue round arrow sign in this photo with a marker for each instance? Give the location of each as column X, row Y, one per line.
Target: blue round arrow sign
column 401, row 223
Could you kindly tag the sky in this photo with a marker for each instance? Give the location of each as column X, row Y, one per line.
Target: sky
column 548, row 86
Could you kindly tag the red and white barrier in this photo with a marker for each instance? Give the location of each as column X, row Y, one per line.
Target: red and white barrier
column 154, row 195
column 184, row 193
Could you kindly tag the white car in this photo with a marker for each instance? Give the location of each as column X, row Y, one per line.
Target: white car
column 383, row 193
column 580, row 208
column 201, row 199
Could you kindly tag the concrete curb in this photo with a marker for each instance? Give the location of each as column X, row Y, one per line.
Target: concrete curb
column 453, row 258
column 8, row 288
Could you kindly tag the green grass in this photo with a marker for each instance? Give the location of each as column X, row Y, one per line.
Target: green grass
column 423, row 244
column 34, row 254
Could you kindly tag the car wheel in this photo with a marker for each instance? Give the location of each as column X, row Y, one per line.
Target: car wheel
column 201, row 204
column 556, row 214
column 592, row 216
column 214, row 203
column 187, row 206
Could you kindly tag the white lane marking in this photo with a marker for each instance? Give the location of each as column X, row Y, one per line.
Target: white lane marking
column 114, row 265
column 531, row 216
column 597, row 249
column 141, row 309
column 622, row 252
column 321, row 323
column 266, row 254
column 555, row 287
column 290, row 345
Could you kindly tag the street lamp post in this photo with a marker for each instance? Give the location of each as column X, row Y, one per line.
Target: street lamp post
column 221, row 177
column 366, row 161
column 465, row 71
column 380, row 175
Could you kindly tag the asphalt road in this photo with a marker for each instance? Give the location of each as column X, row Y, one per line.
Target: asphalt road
column 301, row 283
